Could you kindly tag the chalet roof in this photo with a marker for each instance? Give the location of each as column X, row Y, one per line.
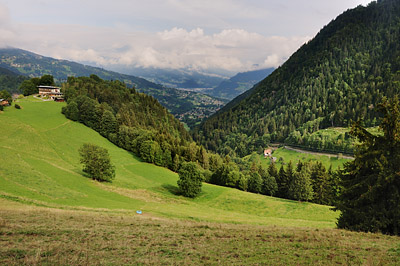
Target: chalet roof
column 48, row 87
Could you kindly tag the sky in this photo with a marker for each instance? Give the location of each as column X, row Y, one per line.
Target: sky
column 231, row 35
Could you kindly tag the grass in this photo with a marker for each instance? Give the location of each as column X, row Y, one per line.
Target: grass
column 50, row 213
column 289, row 155
column 284, row 156
column 34, row 235
column 39, row 165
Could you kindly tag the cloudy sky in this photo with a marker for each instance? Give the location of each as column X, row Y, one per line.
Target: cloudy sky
column 235, row 35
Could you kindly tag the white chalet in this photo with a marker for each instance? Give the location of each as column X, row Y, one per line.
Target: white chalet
column 50, row 91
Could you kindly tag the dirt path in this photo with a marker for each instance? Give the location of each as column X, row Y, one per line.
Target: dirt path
column 317, row 153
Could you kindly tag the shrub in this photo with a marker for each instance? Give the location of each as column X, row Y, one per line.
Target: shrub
column 97, row 162
column 190, row 179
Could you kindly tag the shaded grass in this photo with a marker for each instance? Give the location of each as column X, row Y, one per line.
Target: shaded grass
column 42, row 236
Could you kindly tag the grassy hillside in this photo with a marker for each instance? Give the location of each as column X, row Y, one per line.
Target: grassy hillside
column 39, row 166
column 284, row 156
column 51, row 214
column 332, row 140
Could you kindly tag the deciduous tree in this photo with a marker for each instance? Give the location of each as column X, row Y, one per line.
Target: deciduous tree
column 96, row 162
column 190, row 179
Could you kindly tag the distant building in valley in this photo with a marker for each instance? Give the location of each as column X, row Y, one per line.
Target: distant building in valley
column 4, row 102
column 267, row 153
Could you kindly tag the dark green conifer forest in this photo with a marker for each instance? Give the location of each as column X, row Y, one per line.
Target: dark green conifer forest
column 338, row 77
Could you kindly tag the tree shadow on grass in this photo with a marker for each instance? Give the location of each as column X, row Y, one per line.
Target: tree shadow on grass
column 171, row 189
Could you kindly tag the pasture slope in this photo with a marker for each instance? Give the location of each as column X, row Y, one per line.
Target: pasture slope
column 51, row 213
column 286, row 154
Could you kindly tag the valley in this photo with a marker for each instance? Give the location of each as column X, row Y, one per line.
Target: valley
column 189, row 106
column 294, row 160
column 48, row 205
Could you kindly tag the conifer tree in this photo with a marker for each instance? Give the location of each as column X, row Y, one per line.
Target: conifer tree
column 319, row 179
column 370, row 198
column 300, row 187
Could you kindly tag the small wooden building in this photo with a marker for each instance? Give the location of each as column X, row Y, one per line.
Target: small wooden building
column 4, row 102
column 267, row 153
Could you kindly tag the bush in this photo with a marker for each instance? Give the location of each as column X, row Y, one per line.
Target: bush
column 97, row 162
column 190, row 179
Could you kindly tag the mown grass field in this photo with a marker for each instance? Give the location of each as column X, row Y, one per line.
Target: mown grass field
column 32, row 235
column 50, row 213
column 290, row 155
column 284, row 156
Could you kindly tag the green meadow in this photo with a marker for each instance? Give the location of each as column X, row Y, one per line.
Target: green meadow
column 51, row 214
column 39, row 165
column 284, row 156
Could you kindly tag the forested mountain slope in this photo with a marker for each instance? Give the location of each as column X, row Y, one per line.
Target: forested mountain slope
column 241, row 82
column 132, row 120
column 10, row 80
column 175, row 78
column 337, row 77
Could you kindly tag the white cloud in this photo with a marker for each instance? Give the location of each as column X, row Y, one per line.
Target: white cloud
column 234, row 35
column 6, row 30
column 233, row 49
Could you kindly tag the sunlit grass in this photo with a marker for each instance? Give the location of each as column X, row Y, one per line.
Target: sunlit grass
column 37, row 236
column 39, row 165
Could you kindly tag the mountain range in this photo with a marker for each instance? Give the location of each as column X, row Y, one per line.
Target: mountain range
column 189, row 107
column 176, row 78
column 241, row 82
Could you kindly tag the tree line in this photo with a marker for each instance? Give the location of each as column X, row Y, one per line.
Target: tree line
column 138, row 123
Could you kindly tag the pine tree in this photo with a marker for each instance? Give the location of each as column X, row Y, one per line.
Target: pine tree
column 370, row 198
column 255, row 182
column 319, row 179
column 300, row 187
